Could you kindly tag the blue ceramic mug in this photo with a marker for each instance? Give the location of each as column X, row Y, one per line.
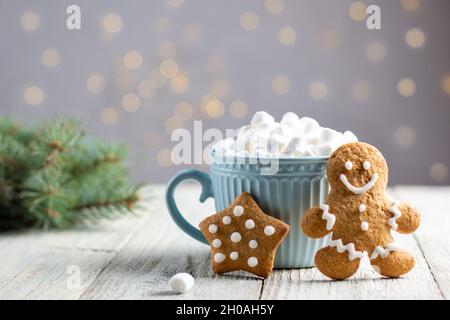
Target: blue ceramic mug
column 298, row 184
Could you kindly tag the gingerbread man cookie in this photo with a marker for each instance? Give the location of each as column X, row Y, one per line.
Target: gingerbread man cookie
column 242, row 237
column 360, row 216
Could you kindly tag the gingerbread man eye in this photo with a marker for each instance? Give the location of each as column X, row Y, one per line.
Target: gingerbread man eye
column 366, row 165
column 348, row 165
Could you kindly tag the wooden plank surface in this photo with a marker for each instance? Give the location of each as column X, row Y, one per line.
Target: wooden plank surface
column 133, row 258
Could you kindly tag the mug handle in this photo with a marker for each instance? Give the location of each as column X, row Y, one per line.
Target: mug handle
column 207, row 192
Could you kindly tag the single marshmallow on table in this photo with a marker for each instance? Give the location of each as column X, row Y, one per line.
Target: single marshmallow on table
column 181, row 282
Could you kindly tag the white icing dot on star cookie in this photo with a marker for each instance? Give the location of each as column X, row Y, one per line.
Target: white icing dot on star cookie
column 217, row 243
column 238, row 211
column 249, row 224
column 236, row 237
column 362, row 207
column 212, row 228
column 234, row 255
column 226, row 220
column 253, row 244
column 269, row 230
column 252, row 262
column 364, row 226
column 219, row 257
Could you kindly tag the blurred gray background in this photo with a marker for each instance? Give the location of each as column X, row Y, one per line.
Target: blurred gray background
column 139, row 69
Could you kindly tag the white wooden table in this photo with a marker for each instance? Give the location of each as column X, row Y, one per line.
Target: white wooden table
column 133, row 258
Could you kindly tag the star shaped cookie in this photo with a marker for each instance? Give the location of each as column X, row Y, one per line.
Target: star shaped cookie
column 243, row 237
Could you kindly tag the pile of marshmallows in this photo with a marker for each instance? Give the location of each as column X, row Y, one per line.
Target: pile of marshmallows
column 291, row 137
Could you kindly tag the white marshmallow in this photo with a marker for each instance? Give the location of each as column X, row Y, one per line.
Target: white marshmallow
column 329, row 135
column 324, row 149
column 181, row 282
column 276, row 144
column 308, row 124
column 305, row 152
column 262, row 120
column 294, row 145
column 350, row 137
column 290, row 119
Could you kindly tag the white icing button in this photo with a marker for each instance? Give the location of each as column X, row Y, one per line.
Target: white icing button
column 226, row 220
column 219, row 257
column 362, row 207
column 269, row 230
column 348, row 165
column 234, row 255
column 253, row 244
column 364, row 226
column 249, row 224
column 252, row 262
column 238, row 211
column 217, row 243
column 366, row 165
column 212, row 228
column 236, row 237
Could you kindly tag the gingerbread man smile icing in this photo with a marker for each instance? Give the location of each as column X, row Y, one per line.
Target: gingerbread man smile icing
column 360, row 216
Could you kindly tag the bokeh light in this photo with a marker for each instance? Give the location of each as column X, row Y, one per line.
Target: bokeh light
column 446, row 84
column 164, row 158
column 95, row 83
column 130, row 102
column 281, row 85
column 30, row 21
column 410, row 5
column 318, row 90
column 331, row 39
column 112, row 23
column 212, row 106
column 274, row 6
column 50, row 58
column 415, row 38
column 406, row 87
column 190, row 33
column 157, row 79
column 172, row 123
column 184, row 110
column 238, row 109
column 405, row 136
column 169, row 68
column 146, row 89
column 357, row 11
column 33, row 96
column 287, row 36
column 179, row 84
column 133, row 60
column 439, row 172
column 376, row 51
column 361, row 91
column 109, row 116
column 249, row 21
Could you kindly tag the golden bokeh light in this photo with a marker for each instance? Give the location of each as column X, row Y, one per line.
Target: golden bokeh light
column 161, row 25
column 281, row 85
column 95, row 83
column 318, row 90
column 215, row 65
column 191, row 33
column 361, row 91
column 274, row 6
column 357, row 11
column 173, row 123
column 212, row 106
column 376, row 51
column 220, row 88
column 415, row 38
column 50, row 58
column 133, row 60
column 238, row 109
column 30, row 21
column 33, row 96
column 410, row 5
column 175, row 3
column 169, row 68
column 164, row 158
column 249, row 21
column 287, row 36
column 167, row 49
column 112, row 23
column 146, row 89
column 406, row 87
column 405, row 136
column 446, row 84
column 179, row 84
column 131, row 102
column 439, row 172
column 109, row 116
column 331, row 39
column 184, row 110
